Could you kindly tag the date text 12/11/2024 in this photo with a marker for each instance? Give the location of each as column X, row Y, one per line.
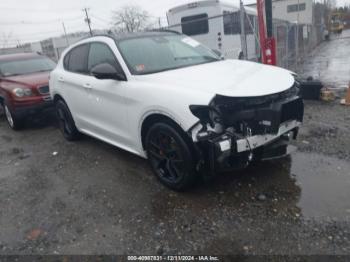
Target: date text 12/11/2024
column 173, row 258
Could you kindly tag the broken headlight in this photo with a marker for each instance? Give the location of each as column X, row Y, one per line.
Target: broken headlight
column 205, row 114
column 210, row 120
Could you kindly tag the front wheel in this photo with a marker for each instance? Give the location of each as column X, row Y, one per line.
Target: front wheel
column 170, row 156
column 66, row 122
column 14, row 122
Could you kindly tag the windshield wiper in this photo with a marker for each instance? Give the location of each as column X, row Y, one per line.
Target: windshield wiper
column 11, row 75
column 210, row 58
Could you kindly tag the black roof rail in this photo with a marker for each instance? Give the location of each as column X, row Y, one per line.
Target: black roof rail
column 165, row 30
column 90, row 36
column 114, row 36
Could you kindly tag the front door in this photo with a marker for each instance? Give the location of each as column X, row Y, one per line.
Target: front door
column 107, row 108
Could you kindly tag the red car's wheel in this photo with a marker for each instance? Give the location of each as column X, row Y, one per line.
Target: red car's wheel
column 14, row 122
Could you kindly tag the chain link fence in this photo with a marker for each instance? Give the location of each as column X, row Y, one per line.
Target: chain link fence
column 295, row 42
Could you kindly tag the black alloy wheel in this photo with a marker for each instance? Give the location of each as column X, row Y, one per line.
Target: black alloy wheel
column 170, row 156
column 66, row 122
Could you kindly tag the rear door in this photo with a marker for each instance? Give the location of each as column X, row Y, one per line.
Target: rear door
column 74, row 84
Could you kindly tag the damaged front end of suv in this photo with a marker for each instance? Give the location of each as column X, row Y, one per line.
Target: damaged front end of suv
column 234, row 131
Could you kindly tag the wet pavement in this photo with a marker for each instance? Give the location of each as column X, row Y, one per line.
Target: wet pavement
column 330, row 61
column 88, row 197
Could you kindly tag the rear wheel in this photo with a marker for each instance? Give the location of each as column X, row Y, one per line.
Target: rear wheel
column 170, row 156
column 66, row 122
column 14, row 122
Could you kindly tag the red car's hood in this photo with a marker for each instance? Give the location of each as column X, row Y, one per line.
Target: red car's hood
column 32, row 80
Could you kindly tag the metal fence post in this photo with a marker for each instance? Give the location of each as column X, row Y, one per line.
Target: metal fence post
column 287, row 45
column 243, row 35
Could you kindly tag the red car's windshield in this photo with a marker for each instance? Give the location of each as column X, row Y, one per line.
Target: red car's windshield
column 26, row 66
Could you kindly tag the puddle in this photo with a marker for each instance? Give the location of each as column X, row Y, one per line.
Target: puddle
column 331, row 64
column 309, row 185
column 325, row 185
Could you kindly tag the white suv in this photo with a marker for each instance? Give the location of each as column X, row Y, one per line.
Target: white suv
column 166, row 97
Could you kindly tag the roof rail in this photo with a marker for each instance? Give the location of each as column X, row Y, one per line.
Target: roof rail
column 95, row 35
column 165, row 30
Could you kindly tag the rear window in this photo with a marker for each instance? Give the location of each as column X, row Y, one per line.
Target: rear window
column 195, row 24
column 26, row 66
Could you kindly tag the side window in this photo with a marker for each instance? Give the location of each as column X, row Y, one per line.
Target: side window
column 77, row 59
column 232, row 23
column 101, row 53
column 296, row 7
column 195, row 25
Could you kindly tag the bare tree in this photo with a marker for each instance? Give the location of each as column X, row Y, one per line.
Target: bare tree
column 130, row 19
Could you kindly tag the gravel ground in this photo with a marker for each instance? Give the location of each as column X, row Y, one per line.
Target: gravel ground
column 326, row 129
column 88, row 197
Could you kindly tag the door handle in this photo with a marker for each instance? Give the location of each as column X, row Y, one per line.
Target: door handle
column 87, row 86
column 61, row 79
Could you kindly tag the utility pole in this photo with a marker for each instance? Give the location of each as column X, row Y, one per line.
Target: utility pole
column 87, row 19
column 159, row 23
column 297, row 39
column 243, row 35
column 65, row 33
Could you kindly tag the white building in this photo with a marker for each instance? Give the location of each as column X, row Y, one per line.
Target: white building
column 300, row 11
column 36, row 47
column 53, row 47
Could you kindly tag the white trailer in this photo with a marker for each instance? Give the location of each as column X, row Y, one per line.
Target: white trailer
column 216, row 24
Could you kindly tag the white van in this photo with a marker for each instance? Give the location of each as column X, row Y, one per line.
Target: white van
column 216, row 24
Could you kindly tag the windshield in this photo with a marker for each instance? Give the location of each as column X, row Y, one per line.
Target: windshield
column 26, row 66
column 154, row 54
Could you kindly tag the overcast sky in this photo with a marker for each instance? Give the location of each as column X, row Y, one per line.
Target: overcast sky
column 30, row 20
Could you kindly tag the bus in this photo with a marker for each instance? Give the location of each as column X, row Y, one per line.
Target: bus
column 216, row 24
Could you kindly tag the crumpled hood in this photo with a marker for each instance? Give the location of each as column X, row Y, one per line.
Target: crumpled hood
column 233, row 78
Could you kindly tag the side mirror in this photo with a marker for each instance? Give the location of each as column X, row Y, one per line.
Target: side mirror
column 106, row 71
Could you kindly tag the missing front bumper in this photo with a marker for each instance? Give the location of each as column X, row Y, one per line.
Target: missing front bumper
column 226, row 152
column 253, row 142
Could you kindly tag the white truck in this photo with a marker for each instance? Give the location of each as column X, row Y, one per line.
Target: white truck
column 216, row 24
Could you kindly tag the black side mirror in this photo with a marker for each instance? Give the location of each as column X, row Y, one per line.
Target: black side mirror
column 107, row 71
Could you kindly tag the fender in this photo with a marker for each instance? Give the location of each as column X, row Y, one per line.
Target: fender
column 158, row 111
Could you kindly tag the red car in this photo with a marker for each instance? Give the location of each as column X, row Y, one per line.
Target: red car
column 24, row 87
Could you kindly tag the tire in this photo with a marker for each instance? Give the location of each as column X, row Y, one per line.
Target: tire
column 66, row 122
column 16, row 123
column 170, row 156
